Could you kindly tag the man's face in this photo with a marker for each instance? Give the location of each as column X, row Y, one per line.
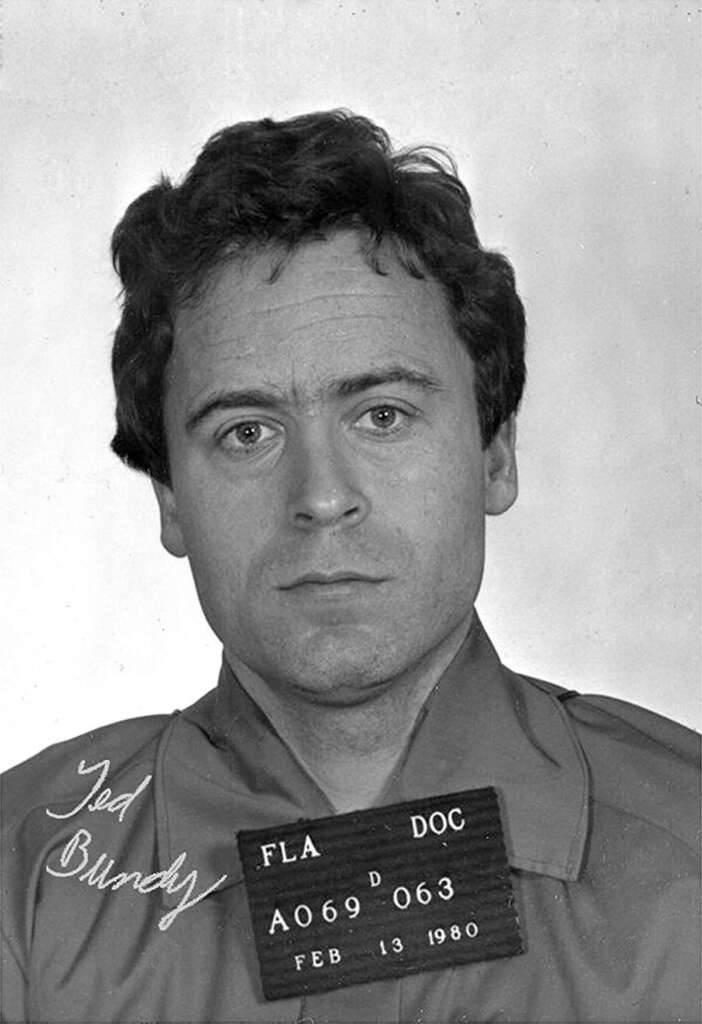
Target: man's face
column 328, row 483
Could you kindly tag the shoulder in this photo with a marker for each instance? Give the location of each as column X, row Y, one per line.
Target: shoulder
column 640, row 763
column 54, row 773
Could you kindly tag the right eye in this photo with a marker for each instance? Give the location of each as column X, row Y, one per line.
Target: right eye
column 247, row 436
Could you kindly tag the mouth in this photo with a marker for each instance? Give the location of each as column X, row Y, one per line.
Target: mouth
column 333, row 580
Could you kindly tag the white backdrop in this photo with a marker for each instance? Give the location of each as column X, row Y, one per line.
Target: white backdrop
column 575, row 126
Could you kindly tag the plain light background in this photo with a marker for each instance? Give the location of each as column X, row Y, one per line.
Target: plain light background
column 575, row 125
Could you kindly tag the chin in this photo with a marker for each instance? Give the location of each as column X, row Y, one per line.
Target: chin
column 340, row 669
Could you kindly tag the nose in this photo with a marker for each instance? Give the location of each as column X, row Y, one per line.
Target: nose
column 324, row 488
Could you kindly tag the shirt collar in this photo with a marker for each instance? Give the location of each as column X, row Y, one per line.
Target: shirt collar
column 221, row 767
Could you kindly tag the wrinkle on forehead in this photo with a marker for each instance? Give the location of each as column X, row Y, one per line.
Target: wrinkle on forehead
column 243, row 291
column 328, row 312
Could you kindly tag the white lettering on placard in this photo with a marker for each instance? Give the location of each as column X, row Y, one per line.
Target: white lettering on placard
column 278, row 921
column 303, row 915
column 374, row 878
column 437, row 936
column 402, row 897
column 279, row 849
column 446, row 891
column 438, row 823
column 396, row 945
column 317, row 958
column 75, row 857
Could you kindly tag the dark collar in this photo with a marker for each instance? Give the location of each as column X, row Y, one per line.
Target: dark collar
column 221, row 767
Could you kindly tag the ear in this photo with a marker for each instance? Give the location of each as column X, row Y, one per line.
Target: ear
column 171, row 536
column 500, row 466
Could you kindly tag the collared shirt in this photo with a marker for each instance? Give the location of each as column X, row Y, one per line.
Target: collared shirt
column 123, row 897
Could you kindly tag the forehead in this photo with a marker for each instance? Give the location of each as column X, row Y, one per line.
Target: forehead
column 327, row 311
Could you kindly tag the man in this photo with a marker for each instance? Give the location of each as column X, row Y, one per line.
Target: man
column 319, row 367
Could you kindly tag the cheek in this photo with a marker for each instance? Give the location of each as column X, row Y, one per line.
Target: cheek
column 221, row 534
column 445, row 505
column 456, row 536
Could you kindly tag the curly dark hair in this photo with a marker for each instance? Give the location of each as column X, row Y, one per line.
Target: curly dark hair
column 267, row 184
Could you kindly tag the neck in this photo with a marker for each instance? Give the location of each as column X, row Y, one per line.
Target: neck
column 351, row 750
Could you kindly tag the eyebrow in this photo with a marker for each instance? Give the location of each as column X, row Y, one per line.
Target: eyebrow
column 344, row 387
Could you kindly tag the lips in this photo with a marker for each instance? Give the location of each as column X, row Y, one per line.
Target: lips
column 323, row 579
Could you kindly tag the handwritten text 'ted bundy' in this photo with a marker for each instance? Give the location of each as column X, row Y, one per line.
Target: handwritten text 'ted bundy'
column 75, row 857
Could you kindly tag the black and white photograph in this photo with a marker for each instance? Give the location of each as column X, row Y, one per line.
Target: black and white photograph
column 352, row 550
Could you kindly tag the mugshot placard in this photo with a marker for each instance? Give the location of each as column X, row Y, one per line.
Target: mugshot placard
column 380, row 893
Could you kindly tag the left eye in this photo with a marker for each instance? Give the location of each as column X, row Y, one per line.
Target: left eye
column 382, row 418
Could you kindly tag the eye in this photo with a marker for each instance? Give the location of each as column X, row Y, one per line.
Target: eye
column 383, row 419
column 247, row 436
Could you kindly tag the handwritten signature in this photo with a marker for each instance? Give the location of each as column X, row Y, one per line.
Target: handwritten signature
column 76, row 855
